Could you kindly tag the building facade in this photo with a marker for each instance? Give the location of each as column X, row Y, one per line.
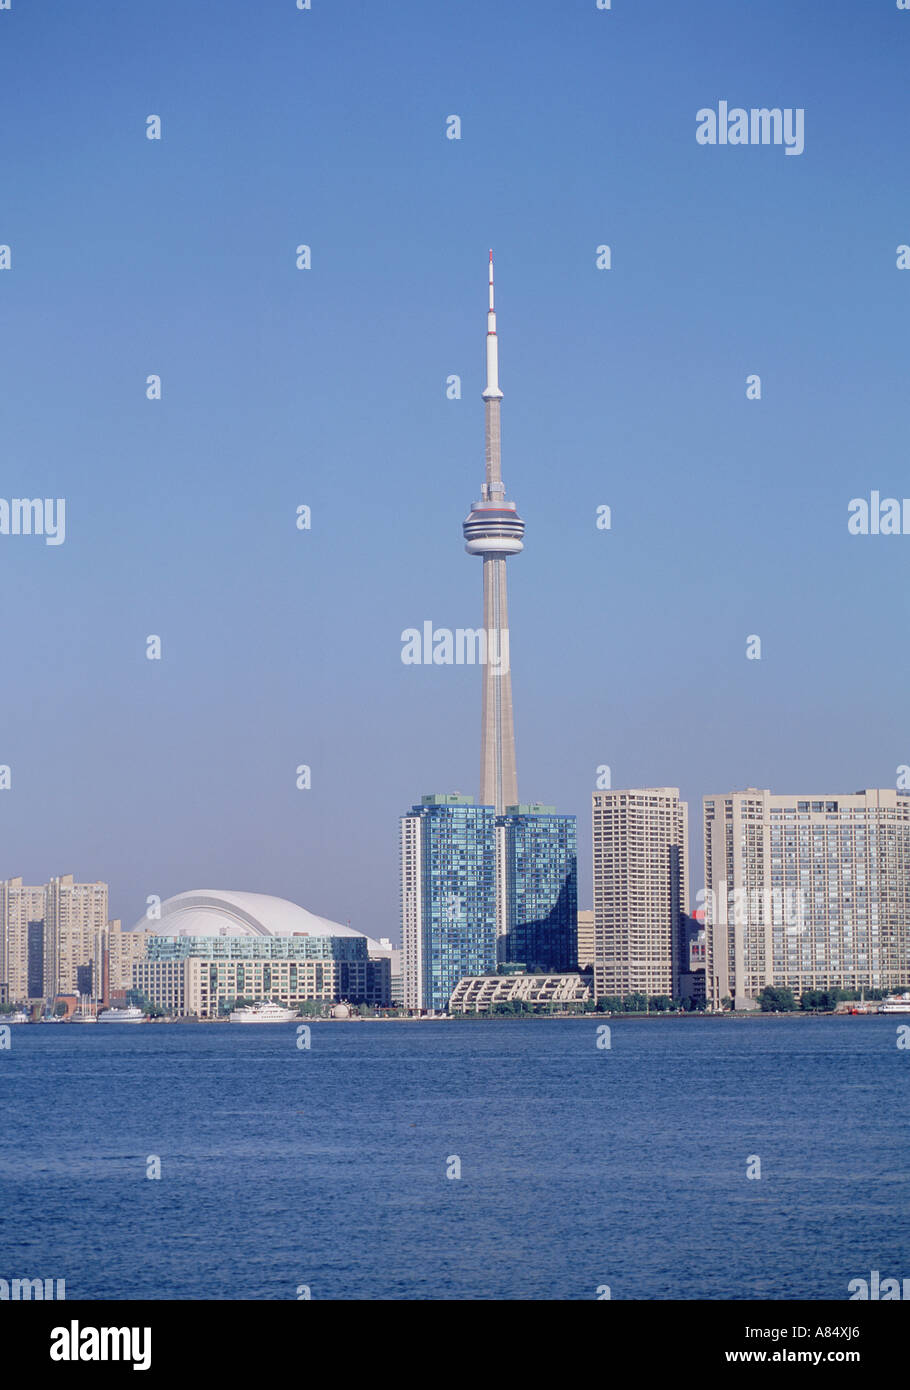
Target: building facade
column 204, row 975
column 124, row 948
column 537, row 888
column 448, row 897
column 477, row 994
column 586, row 938
column 22, row 911
column 641, row 888
column 75, row 935
column 53, row 937
column 806, row 892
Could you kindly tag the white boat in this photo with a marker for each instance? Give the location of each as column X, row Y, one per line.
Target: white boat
column 895, row 1004
column 17, row 1017
column 130, row 1014
column 84, row 1012
column 263, row 1013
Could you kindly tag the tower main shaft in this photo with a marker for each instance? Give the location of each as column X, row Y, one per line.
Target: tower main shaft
column 493, row 530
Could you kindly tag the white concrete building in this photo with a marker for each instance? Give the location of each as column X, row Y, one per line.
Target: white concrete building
column 641, row 886
column 806, row 892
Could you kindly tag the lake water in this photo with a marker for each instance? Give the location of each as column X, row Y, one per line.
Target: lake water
column 580, row 1166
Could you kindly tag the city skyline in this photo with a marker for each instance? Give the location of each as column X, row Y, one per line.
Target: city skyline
column 626, row 388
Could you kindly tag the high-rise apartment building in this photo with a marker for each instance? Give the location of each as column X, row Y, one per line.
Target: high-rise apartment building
column 806, row 892
column 585, row 938
column 448, row 897
column 640, row 889
column 537, row 888
column 75, row 936
column 53, row 937
column 22, row 939
column 124, row 949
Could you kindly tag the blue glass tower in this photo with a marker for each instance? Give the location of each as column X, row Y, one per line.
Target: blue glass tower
column 538, row 888
column 448, row 897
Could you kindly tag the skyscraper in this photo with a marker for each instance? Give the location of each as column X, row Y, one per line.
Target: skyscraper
column 640, row 890
column 21, row 922
column 53, row 937
column 537, row 888
column 493, row 530
column 448, row 897
column 806, row 892
column 75, row 936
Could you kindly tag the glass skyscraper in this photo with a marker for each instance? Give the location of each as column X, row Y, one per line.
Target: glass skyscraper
column 537, row 888
column 448, row 897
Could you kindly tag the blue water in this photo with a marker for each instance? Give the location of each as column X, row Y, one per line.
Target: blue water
column 579, row 1167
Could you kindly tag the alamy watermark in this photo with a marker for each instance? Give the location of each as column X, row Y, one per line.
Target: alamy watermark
column 34, row 516
column 25, row 1290
column 760, row 125
column 740, row 907
column 880, row 516
column 465, row 646
column 876, row 1288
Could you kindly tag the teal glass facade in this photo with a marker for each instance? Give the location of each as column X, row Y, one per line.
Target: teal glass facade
column 341, row 948
column 458, row 899
column 539, row 866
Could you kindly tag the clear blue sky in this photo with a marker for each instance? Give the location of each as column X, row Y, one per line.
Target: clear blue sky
column 327, row 387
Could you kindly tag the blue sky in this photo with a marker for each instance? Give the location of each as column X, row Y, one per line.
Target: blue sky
column 327, row 388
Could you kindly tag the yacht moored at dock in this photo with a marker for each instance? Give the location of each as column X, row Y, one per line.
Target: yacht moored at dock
column 895, row 1004
column 263, row 1013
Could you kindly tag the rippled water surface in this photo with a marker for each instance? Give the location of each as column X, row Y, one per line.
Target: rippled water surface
column 579, row 1166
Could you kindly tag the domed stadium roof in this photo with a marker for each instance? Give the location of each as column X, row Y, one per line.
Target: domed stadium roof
column 213, row 912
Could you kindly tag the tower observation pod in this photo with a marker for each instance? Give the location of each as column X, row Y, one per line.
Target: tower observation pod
column 494, row 530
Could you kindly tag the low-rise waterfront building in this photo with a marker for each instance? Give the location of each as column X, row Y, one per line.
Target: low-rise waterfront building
column 294, row 970
column 479, row 993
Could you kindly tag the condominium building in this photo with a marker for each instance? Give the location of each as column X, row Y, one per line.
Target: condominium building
column 52, row 937
column 203, row 975
column 537, row 888
column 168, row 984
column 448, row 897
column 124, row 949
column 640, row 889
column 75, row 931
column 22, row 940
column 806, row 892
column 585, row 946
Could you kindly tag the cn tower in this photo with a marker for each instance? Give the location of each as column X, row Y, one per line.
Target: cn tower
column 493, row 530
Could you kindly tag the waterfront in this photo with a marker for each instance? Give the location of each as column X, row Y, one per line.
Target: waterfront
column 580, row 1166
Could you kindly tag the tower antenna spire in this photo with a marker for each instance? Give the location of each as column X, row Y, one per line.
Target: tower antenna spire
column 491, row 391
